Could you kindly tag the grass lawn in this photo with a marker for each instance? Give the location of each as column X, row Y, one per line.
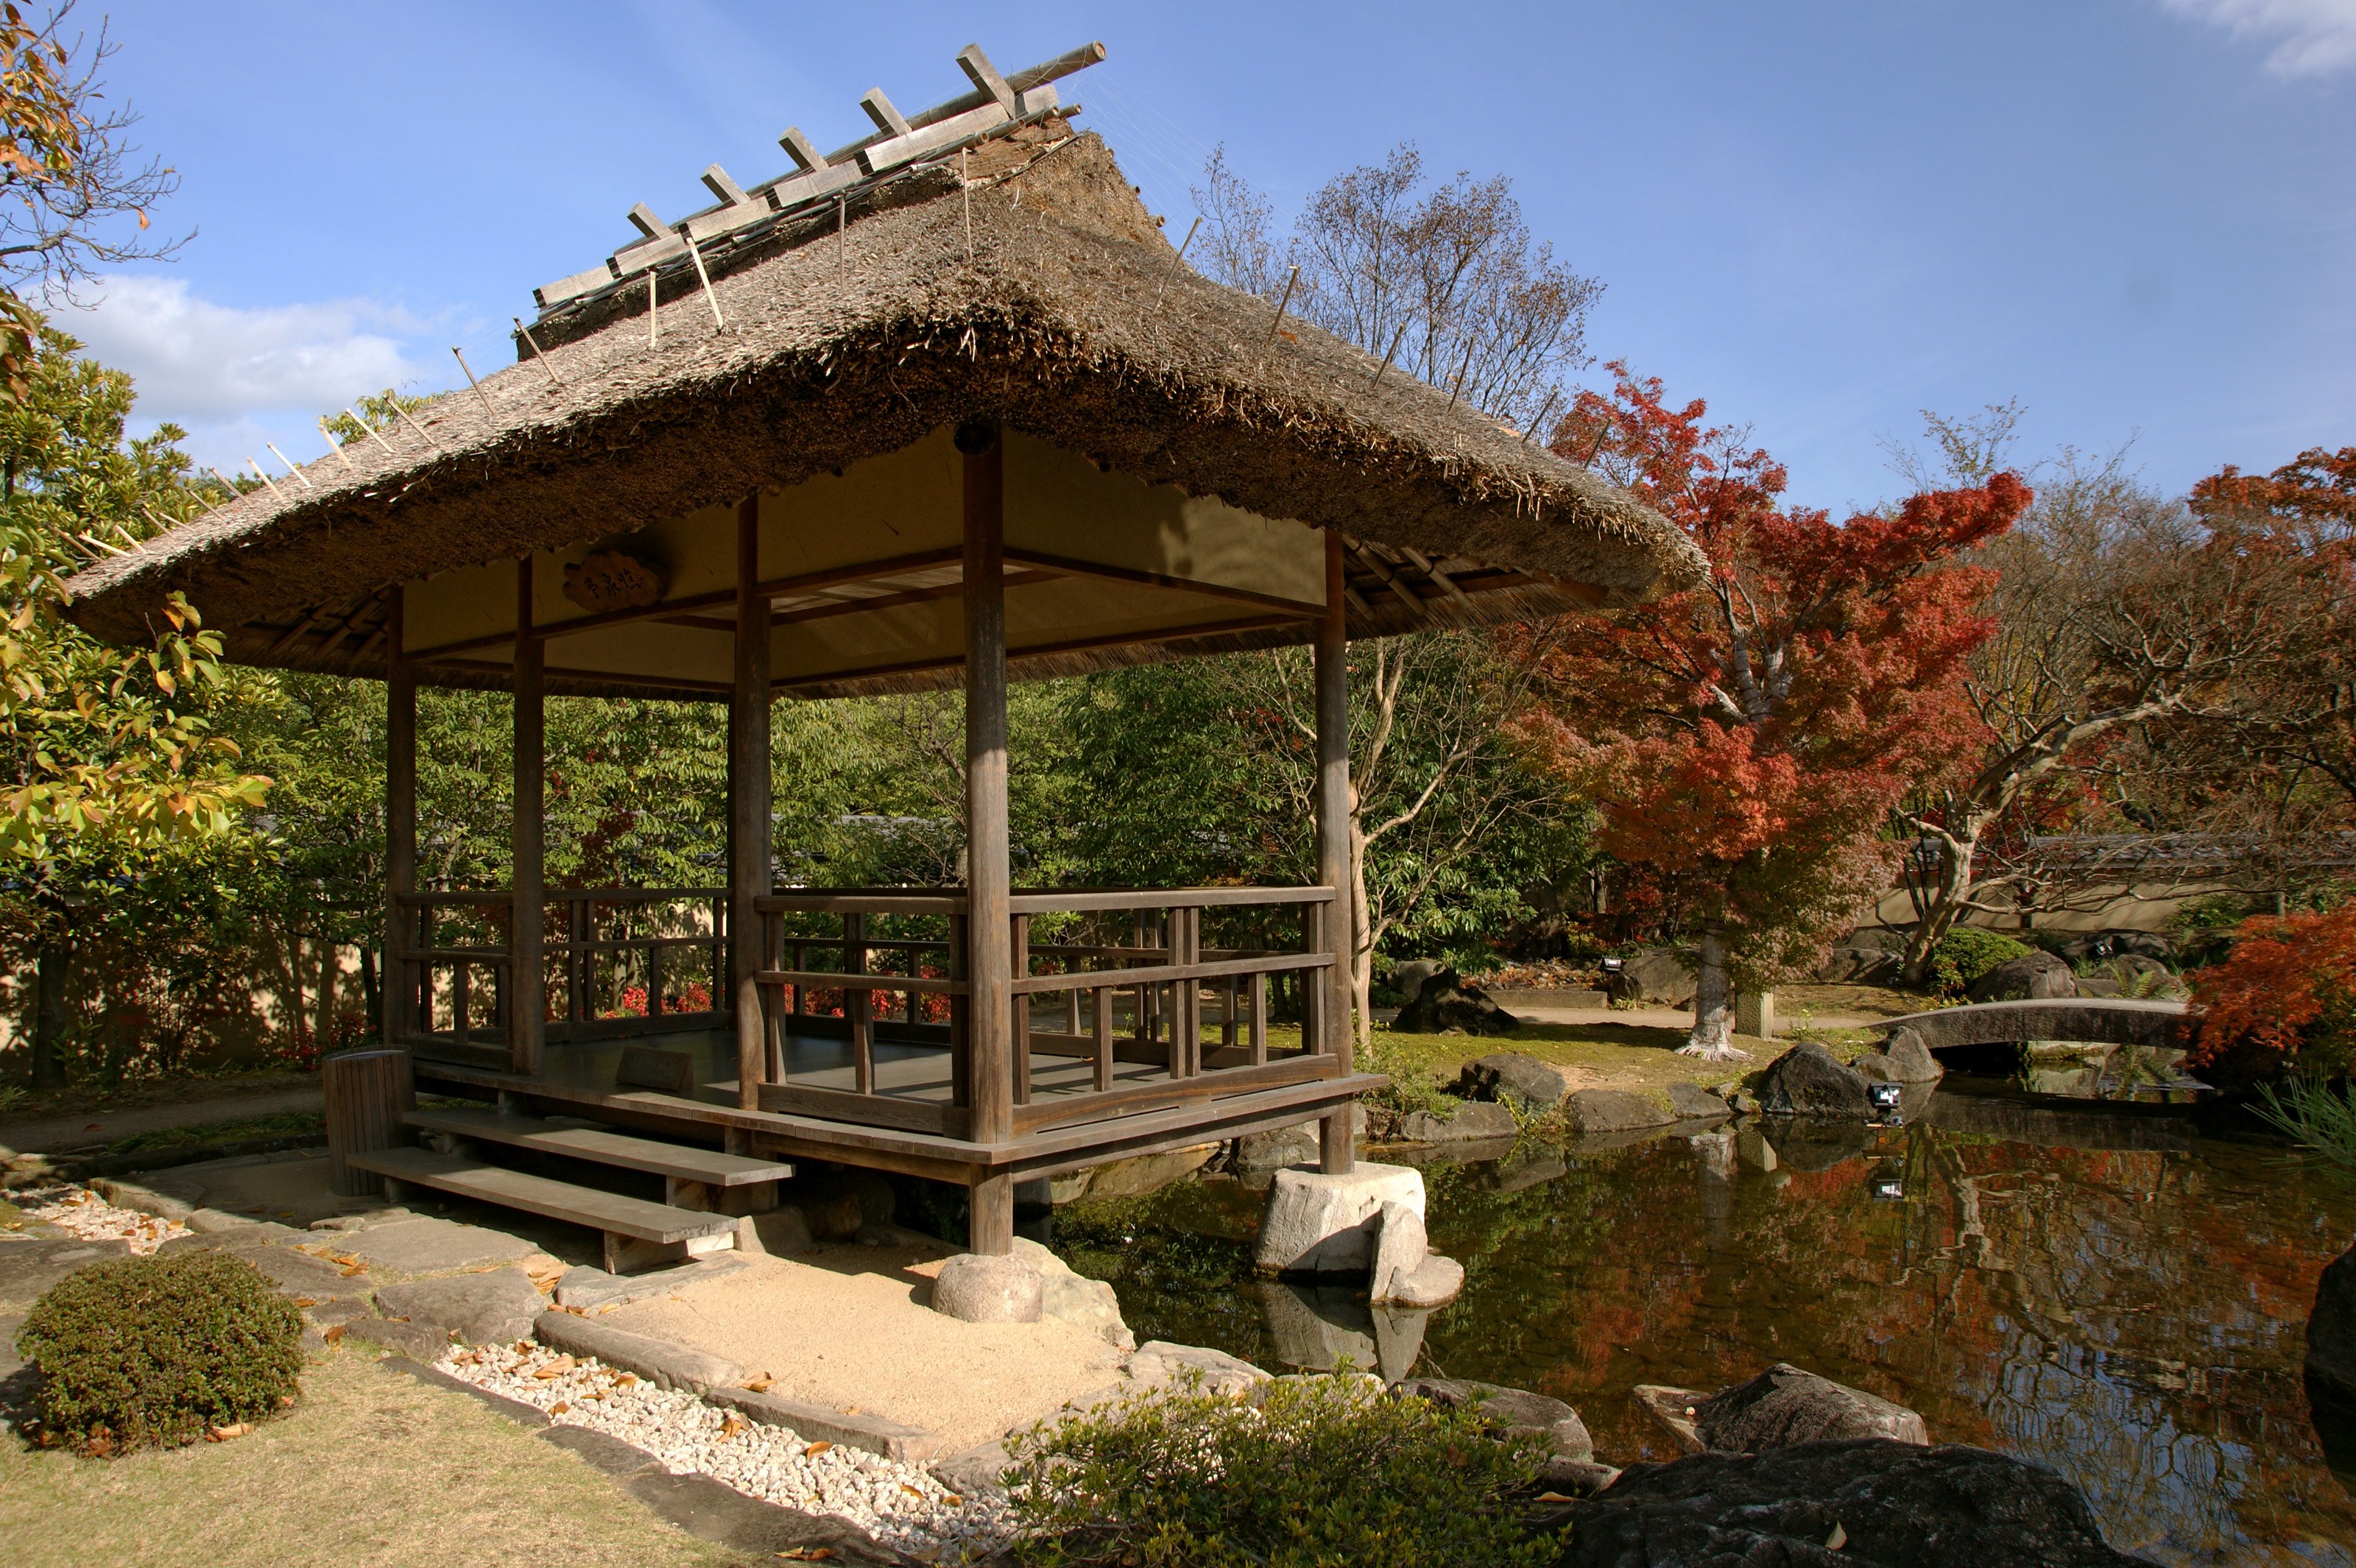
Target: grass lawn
column 368, row 1468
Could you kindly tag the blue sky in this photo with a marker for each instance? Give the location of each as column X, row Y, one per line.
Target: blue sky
column 2137, row 217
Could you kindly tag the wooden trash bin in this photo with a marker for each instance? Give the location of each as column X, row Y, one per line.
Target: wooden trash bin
column 368, row 1093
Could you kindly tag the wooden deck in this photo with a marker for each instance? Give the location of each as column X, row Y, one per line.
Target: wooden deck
column 910, row 1124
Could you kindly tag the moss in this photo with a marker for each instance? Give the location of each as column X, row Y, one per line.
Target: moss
column 138, row 1352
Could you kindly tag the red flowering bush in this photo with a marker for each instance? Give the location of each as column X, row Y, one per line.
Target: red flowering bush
column 2287, row 991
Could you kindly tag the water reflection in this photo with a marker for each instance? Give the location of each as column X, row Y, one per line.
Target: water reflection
column 2112, row 1296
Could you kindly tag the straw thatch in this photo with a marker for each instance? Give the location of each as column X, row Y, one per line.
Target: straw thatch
column 1067, row 316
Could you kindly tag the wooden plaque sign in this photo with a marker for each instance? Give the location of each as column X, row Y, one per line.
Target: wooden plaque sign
column 611, row 580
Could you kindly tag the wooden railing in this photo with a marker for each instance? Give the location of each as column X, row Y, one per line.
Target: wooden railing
column 616, row 960
column 873, row 965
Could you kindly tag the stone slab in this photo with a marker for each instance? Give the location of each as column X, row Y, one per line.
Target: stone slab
column 490, row 1308
column 590, row 1288
column 663, row 1362
column 1159, row 1361
column 28, row 1268
column 419, row 1341
column 423, row 1246
column 892, row 1439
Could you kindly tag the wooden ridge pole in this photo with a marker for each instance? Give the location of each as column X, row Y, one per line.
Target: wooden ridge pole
column 748, row 806
column 988, row 877
column 1337, row 1141
column 400, row 985
column 527, row 943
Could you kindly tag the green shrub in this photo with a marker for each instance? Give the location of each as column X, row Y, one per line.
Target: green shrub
column 141, row 1351
column 1311, row 1471
column 1965, row 954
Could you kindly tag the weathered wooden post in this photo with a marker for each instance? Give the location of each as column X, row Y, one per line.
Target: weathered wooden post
column 990, row 1020
column 1337, row 1141
column 367, row 1092
column 527, row 992
column 399, row 992
column 749, row 870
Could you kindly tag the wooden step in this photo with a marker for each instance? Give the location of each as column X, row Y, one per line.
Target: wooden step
column 608, row 1211
column 679, row 1162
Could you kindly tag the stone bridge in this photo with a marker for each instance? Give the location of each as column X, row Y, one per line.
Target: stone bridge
column 2096, row 1020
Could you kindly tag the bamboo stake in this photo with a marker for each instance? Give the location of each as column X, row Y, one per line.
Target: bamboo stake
column 266, row 480
column 1397, row 339
column 377, row 435
column 471, row 382
column 334, row 445
column 536, row 351
column 402, row 414
column 1287, row 300
column 290, row 467
column 1176, row 261
column 695, row 254
column 654, row 328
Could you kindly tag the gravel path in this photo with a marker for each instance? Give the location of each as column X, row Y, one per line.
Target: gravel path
column 93, row 1219
column 899, row 1505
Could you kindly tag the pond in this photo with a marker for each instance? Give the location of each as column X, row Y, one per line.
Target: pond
column 2111, row 1293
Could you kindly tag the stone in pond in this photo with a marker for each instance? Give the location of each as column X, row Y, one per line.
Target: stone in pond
column 1509, row 1076
column 1809, row 1081
column 1466, row 1121
column 481, row 1308
column 1316, row 1223
column 1160, row 1362
column 975, row 1288
column 1516, row 1411
column 1400, row 1248
column 1890, row 1505
column 1691, row 1102
column 1613, row 1111
column 2332, row 1328
column 1785, row 1406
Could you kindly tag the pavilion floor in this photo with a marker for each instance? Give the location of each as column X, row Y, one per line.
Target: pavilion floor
column 581, row 1079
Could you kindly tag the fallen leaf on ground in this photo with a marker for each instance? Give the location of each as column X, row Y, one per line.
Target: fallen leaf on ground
column 815, row 1449
column 760, row 1384
column 223, row 1434
column 1838, row 1539
column 1554, row 1498
column 953, row 1500
column 558, row 1408
column 333, row 1335
column 304, row 1301
column 733, row 1425
column 94, row 1126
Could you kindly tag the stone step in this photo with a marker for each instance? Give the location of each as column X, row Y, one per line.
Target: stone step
column 634, row 1218
column 679, row 1162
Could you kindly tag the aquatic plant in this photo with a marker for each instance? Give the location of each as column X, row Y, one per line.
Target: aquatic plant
column 2314, row 1115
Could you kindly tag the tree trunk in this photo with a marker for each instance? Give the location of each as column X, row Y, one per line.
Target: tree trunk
column 1713, row 1030
column 49, row 1014
column 371, row 1003
column 1944, row 907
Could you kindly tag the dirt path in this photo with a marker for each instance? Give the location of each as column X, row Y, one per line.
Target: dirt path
column 54, row 1135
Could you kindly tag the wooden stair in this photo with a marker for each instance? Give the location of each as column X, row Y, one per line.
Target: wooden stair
column 639, row 1233
column 673, row 1162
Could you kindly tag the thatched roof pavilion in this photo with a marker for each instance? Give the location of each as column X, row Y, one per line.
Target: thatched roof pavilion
column 942, row 407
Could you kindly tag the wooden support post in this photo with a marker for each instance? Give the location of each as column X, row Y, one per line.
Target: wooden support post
column 1337, row 1141
column 856, row 1006
column 990, row 1224
column 988, row 877
column 748, row 804
column 527, row 956
column 366, row 1093
column 399, row 832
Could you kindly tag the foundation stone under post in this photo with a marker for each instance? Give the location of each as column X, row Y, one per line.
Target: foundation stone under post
column 1321, row 1224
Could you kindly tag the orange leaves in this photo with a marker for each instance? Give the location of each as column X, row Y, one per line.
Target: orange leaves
column 2289, row 978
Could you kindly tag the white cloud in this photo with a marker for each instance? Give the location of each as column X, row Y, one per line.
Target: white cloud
column 2310, row 37
column 201, row 364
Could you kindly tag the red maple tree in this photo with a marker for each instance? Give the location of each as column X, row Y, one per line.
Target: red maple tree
column 1745, row 741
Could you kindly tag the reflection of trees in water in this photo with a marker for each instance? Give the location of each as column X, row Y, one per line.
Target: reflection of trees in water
column 2135, row 1318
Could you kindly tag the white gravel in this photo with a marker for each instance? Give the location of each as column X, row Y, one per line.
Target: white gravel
column 898, row 1504
column 93, row 1219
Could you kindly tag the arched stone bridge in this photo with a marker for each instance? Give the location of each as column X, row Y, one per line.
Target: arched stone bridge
column 2096, row 1020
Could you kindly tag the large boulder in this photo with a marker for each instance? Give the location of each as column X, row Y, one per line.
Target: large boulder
column 1409, row 978
column 2332, row 1328
column 1854, row 966
column 1871, row 1504
column 1654, row 975
column 1785, row 1406
column 2106, row 944
column 973, row 1287
column 1515, row 1412
column 1509, row 1076
column 1444, row 1002
column 1075, row 1298
column 1467, row 1121
column 2037, row 976
column 1691, row 1102
column 1809, row 1081
column 1613, row 1111
column 1910, row 1059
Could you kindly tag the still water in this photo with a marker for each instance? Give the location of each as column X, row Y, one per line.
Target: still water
column 2111, row 1294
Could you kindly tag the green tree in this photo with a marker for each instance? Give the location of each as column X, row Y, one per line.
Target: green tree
column 111, row 762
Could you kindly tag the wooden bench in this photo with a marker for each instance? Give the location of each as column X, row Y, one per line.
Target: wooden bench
column 639, row 1233
column 692, row 1177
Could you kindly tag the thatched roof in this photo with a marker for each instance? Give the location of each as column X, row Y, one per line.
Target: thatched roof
column 1066, row 314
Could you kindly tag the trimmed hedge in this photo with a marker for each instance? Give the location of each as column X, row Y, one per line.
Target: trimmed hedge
column 1965, row 954
column 139, row 1352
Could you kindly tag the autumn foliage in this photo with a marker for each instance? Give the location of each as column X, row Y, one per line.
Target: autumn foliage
column 1746, row 739
column 2288, row 988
